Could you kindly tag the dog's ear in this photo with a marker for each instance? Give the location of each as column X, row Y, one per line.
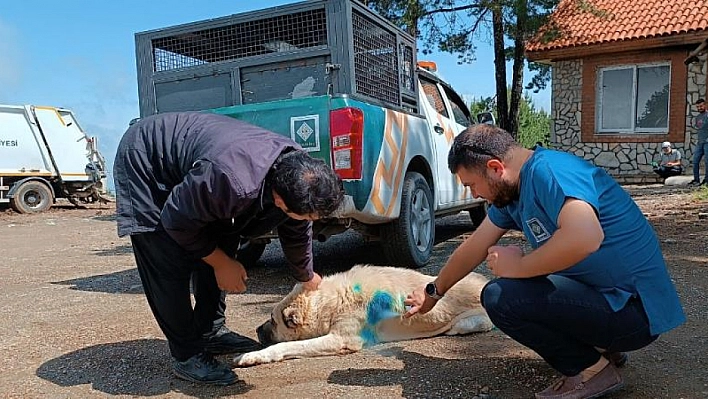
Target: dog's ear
column 292, row 316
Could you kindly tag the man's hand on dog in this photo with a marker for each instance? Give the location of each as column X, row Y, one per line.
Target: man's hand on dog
column 418, row 302
column 314, row 282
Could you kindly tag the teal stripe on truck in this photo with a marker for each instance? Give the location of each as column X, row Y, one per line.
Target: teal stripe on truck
column 277, row 115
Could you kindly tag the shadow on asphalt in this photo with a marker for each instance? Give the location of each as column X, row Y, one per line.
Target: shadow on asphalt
column 135, row 368
column 271, row 275
column 118, row 250
column 123, row 282
column 105, row 218
column 474, row 374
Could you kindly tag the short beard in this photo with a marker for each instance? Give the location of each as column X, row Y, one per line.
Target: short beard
column 505, row 192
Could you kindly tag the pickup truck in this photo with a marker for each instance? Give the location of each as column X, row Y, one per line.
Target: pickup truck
column 345, row 84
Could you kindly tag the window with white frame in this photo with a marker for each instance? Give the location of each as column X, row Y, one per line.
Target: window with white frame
column 633, row 99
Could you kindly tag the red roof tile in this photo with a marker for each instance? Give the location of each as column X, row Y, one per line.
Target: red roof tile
column 621, row 20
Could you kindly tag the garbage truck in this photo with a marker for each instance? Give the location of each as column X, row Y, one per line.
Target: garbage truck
column 343, row 83
column 46, row 155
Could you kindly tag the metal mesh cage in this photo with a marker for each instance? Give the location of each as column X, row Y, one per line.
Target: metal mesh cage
column 269, row 35
column 375, row 60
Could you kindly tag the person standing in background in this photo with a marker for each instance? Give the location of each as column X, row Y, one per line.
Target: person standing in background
column 700, row 122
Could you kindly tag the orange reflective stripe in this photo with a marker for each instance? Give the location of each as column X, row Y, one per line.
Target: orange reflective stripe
column 404, row 142
column 56, row 111
column 383, row 171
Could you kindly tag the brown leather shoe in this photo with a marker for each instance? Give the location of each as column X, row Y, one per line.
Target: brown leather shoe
column 606, row 381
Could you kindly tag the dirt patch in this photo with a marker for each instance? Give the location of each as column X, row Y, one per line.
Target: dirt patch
column 74, row 322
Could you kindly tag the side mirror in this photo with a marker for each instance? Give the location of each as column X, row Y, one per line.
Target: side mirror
column 486, row 117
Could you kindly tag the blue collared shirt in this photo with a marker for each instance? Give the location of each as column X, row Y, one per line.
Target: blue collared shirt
column 629, row 261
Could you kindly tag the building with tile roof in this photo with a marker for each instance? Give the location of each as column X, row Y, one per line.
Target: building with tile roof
column 625, row 79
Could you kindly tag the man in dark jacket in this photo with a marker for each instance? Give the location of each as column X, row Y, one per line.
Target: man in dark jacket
column 189, row 186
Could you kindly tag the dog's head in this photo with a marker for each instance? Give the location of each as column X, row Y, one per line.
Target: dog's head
column 295, row 318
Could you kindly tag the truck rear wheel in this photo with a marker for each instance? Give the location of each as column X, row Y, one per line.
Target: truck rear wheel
column 249, row 253
column 408, row 241
column 32, row 197
column 478, row 213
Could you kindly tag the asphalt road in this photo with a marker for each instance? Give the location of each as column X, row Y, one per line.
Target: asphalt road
column 74, row 324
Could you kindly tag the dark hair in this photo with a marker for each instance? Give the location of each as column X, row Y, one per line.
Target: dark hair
column 306, row 184
column 477, row 145
column 699, row 101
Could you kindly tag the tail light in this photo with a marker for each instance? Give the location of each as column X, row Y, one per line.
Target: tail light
column 346, row 130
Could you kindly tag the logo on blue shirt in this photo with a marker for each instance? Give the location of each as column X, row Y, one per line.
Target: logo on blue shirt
column 538, row 230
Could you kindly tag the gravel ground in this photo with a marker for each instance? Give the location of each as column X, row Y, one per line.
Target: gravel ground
column 74, row 322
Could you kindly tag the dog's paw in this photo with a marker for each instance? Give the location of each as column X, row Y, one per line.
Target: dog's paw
column 252, row 359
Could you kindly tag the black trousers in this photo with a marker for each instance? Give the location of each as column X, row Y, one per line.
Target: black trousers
column 564, row 320
column 667, row 171
column 166, row 271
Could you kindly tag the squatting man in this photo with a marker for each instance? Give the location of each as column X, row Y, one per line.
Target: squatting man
column 595, row 284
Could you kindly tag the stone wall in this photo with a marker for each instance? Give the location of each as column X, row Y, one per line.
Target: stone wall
column 695, row 89
column 627, row 162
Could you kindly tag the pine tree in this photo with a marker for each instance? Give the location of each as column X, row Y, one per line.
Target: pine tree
column 455, row 26
column 534, row 124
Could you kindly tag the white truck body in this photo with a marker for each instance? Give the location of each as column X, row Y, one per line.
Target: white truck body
column 346, row 85
column 44, row 150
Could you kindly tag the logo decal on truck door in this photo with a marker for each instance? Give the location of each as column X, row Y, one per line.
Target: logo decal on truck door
column 305, row 130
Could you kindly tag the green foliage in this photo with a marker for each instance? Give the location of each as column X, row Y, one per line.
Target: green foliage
column 534, row 124
column 701, row 194
column 540, row 79
column 455, row 26
column 482, row 104
column 440, row 25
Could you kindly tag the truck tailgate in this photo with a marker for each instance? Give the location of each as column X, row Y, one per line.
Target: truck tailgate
column 304, row 120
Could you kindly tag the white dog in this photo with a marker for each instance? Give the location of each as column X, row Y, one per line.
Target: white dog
column 362, row 307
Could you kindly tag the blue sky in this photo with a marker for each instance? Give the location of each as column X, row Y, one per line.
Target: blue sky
column 80, row 54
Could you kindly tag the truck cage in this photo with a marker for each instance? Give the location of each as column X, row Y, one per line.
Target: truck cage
column 317, row 47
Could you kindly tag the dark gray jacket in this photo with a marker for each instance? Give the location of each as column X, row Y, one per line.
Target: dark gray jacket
column 190, row 173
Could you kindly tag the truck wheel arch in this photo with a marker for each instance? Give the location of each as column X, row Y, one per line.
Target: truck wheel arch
column 420, row 165
column 409, row 239
column 43, row 188
column 478, row 214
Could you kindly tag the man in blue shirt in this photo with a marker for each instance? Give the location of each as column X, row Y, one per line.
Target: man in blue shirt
column 595, row 284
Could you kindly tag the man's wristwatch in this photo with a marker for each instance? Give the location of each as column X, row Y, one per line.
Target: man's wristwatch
column 431, row 290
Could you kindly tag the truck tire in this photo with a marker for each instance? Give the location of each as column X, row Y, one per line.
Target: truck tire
column 478, row 213
column 249, row 253
column 408, row 240
column 32, row 197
